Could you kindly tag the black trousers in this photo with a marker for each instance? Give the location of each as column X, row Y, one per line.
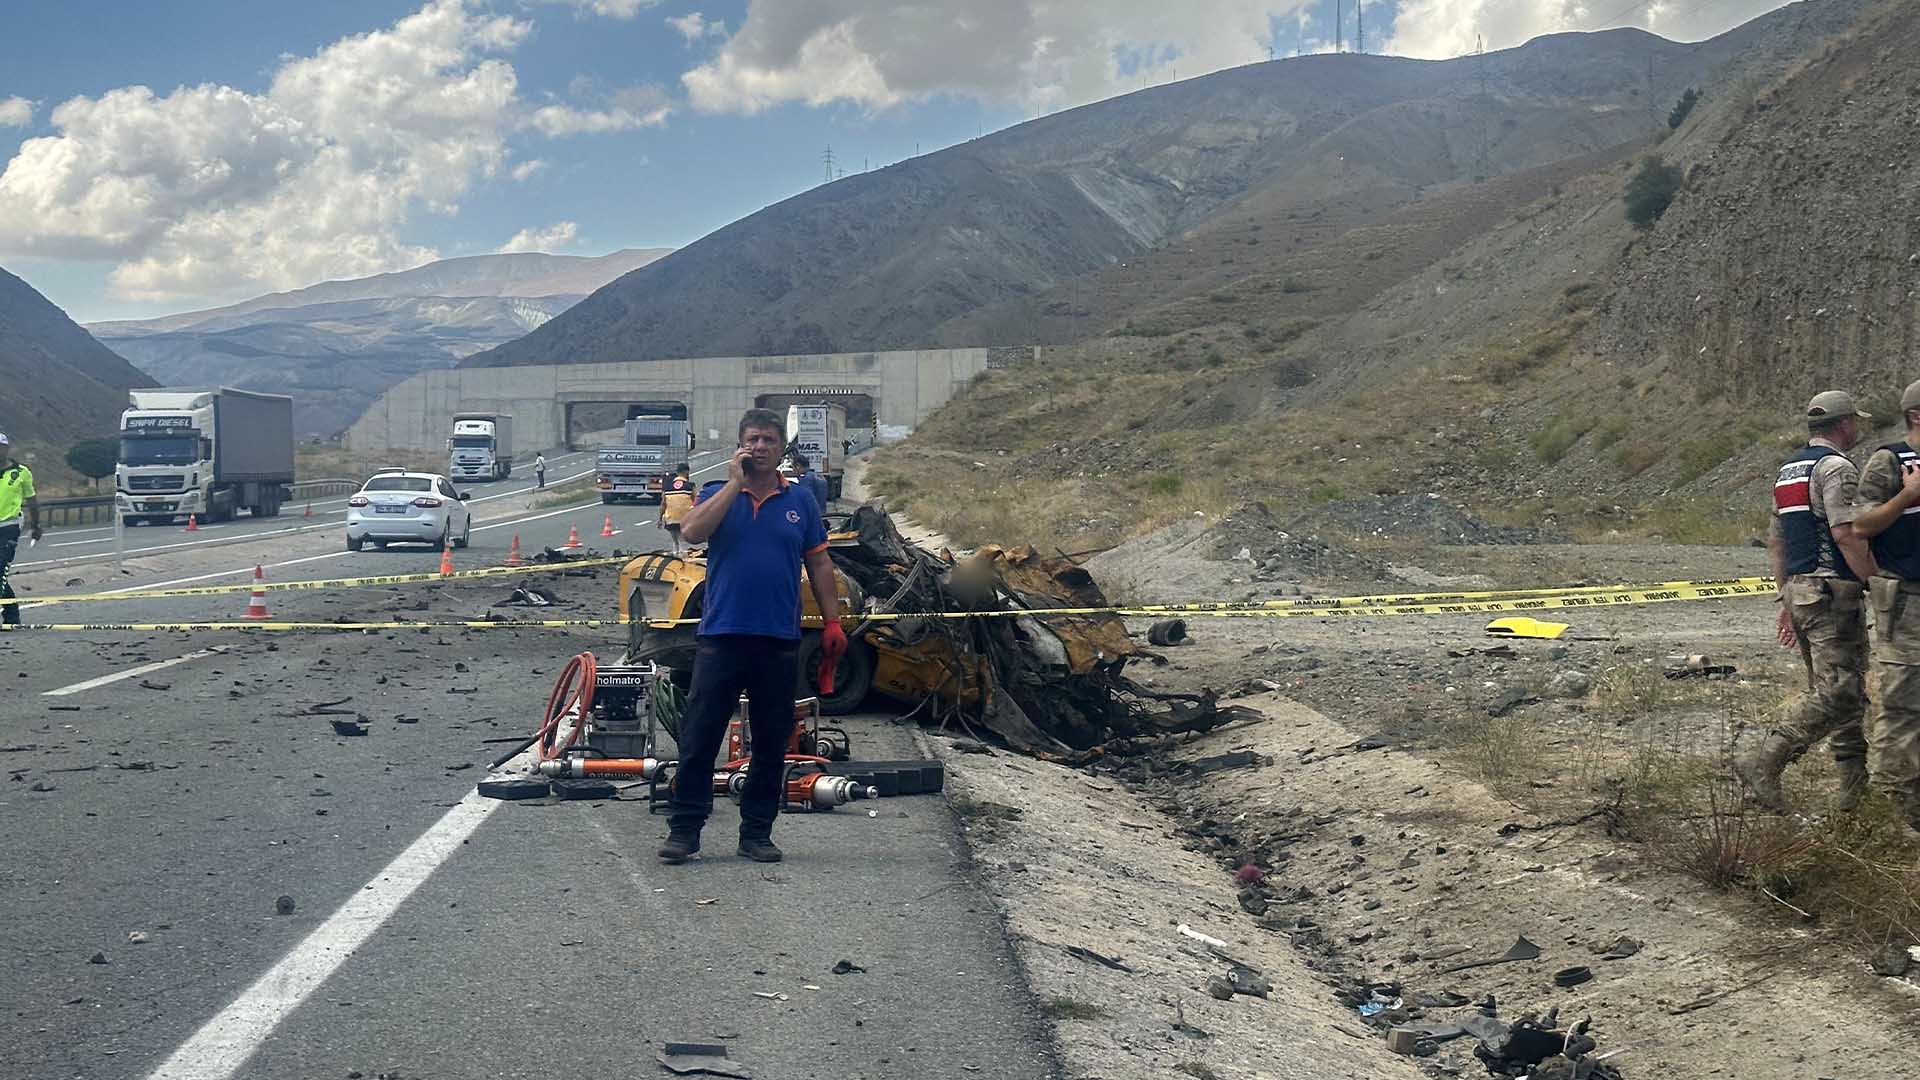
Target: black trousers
column 766, row 669
column 9, row 545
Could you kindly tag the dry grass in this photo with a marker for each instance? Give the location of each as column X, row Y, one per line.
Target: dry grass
column 1654, row 754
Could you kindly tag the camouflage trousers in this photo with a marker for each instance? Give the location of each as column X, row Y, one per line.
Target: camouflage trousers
column 1893, row 722
column 1829, row 614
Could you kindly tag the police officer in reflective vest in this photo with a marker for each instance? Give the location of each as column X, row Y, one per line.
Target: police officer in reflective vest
column 1890, row 517
column 1819, row 563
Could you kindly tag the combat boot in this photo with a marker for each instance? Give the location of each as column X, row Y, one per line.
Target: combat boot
column 1853, row 785
column 1760, row 770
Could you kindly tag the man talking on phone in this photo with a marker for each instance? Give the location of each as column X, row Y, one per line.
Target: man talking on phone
column 759, row 530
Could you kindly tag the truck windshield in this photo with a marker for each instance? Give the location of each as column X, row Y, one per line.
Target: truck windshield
column 160, row 450
column 473, row 442
column 652, row 440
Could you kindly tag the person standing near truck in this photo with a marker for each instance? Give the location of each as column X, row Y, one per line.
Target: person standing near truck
column 759, row 530
column 1819, row 563
column 675, row 500
column 16, row 495
column 539, row 471
column 811, row 479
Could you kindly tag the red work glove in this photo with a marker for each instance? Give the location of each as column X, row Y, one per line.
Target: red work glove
column 833, row 646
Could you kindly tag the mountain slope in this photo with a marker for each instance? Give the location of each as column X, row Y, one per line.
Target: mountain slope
column 335, row 346
column 957, row 247
column 57, row 384
column 1514, row 347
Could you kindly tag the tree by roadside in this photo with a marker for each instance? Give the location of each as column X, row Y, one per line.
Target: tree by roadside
column 1651, row 191
column 94, row 459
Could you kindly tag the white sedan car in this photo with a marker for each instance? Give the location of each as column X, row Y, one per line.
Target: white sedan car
column 397, row 506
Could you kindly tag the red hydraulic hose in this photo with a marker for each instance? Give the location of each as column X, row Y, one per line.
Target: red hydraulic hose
column 572, row 692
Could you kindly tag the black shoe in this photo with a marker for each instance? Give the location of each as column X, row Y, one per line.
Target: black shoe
column 759, row 850
column 679, row 847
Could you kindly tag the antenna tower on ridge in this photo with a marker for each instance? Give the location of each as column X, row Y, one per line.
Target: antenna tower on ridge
column 828, row 158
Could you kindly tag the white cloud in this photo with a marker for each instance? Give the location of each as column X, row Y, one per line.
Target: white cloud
column 623, row 110
column 1442, row 28
column 693, row 26
column 560, row 234
column 612, row 9
column 1039, row 54
column 15, row 112
column 526, row 170
column 209, row 191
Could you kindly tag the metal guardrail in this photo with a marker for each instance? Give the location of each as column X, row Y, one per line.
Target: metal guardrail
column 87, row 509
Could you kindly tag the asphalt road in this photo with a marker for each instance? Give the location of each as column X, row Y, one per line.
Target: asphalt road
column 433, row 935
column 93, row 543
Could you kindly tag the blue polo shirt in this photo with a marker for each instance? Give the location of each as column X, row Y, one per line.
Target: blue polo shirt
column 753, row 562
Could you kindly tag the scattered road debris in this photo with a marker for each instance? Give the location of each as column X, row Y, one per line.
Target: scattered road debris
column 848, row 967
column 1168, row 632
column 1082, row 953
column 1521, row 949
column 283, row 906
column 700, row 1059
column 528, row 596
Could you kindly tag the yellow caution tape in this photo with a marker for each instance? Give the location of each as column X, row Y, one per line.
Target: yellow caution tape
column 1612, row 598
column 1742, row 587
column 327, row 583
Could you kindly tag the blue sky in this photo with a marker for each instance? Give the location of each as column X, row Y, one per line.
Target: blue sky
column 277, row 144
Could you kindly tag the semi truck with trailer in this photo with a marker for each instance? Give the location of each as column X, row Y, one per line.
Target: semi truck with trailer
column 205, row 452
column 639, row 468
column 820, row 432
column 480, row 446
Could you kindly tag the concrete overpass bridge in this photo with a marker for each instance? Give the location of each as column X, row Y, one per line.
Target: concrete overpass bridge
column 900, row 388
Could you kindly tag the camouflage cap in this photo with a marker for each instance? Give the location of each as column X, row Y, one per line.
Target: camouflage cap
column 1910, row 397
column 1831, row 405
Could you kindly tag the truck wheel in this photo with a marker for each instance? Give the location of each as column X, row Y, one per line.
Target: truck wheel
column 608, row 500
column 354, row 543
column 852, row 679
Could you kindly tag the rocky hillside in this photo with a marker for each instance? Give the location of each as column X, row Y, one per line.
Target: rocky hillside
column 987, row 242
column 1514, row 347
column 57, row 384
column 1791, row 262
column 337, row 345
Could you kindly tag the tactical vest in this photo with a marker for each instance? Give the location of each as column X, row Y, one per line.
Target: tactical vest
column 1898, row 549
column 1809, row 540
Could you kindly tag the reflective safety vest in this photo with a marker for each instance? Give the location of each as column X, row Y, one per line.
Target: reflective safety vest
column 1898, row 549
column 1809, row 539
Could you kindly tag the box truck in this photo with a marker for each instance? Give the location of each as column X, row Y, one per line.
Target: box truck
column 820, row 432
column 205, row 452
column 480, row 447
column 639, row 468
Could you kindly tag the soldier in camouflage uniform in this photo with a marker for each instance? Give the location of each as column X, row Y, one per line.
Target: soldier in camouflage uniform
column 1889, row 516
column 1819, row 562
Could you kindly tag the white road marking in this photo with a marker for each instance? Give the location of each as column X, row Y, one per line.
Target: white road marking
column 143, row 669
column 224, row 1043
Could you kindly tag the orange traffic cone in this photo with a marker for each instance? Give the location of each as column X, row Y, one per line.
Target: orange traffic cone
column 608, row 529
column 257, row 607
column 446, row 561
column 573, row 538
column 513, row 553
column 192, row 525
column 309, row 512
